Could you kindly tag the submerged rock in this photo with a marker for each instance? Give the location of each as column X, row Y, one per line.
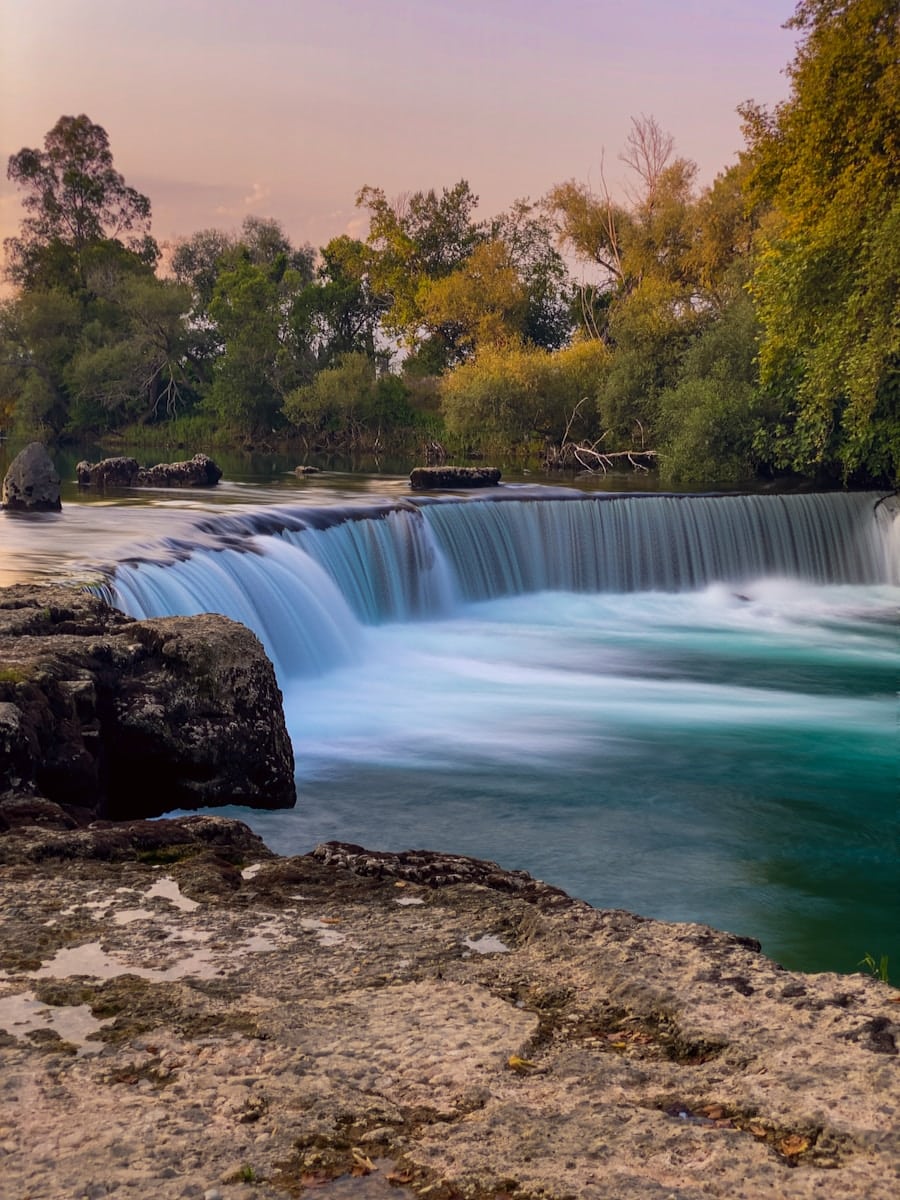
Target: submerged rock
column 120, row 718
column 199, row 471
column 32, row 482
column 454, row 477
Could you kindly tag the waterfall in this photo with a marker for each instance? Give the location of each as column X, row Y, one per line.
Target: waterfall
column 309, row 581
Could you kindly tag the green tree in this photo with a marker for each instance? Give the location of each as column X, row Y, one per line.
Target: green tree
column 39, row 333
column 482, row 303
column 249, row 338
column 414, row 241
column 529, row 237
column 133, row 356
column 827, row 162
column 347, row 406
column 708, row 417
column 74, row 198
column 339, row 313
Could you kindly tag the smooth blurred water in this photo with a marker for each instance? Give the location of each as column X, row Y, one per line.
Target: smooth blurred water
column 724, row 753
column 692, row 757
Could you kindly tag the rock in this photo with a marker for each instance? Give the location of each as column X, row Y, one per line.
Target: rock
column 32, row 482
column 199, row 471
column 266, row 1033
column 129, row 718
column 454, row 477
column 109, row 472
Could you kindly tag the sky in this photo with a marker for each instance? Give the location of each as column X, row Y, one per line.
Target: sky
column 286, row 108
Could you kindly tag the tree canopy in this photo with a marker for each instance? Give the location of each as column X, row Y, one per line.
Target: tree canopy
column 74, row 198
column 826, row 163
column 751, row 326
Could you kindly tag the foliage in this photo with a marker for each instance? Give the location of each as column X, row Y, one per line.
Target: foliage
column 414, row 240
column 827, row 160
column 521, row 392
column 257, row 367
column 878, row 967
column 74, row 198
column 347, row 404
column 709, row 416
column 528, row 235
column 482, row 303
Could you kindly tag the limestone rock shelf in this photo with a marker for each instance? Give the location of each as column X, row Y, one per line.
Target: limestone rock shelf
column 184, row 1013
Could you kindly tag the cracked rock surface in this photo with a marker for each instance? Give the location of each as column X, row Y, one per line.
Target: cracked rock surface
column 182, row 1013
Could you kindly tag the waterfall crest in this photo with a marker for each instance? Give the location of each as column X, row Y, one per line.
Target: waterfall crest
column 309, row 581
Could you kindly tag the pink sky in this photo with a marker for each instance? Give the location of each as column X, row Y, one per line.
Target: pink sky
column 285, row 108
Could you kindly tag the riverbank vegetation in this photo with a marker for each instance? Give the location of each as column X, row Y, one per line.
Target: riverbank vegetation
column 750, row 327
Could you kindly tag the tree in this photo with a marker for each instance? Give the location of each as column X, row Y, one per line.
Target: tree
column 827, row 162
column 132, row 360
column 414, row 241
column 339, row 313
column 250, row 343
column 74, row 198
column 39, row 332
column 348, row 406
column 519, row 393
column 528, row 235
column 709, row 415
column 260, row 282
column 482, row 303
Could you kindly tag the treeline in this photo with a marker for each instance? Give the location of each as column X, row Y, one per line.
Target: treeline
column 750, row 327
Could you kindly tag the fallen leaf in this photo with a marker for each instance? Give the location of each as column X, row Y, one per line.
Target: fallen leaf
column 397, row 1179
column 330, row 921
column 793, row 1144
column 758, row 1131
column 715, row 1112
column 522, row 1065
column 362, row 1164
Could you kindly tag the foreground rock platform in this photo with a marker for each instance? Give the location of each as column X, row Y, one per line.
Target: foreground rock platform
column 182, row 1013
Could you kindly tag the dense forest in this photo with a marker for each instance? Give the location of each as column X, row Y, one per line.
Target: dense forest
column 748, row 328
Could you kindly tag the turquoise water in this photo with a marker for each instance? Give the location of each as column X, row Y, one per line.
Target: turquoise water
column 697, row 721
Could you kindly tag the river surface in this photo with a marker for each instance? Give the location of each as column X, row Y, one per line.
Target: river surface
column 723, row 752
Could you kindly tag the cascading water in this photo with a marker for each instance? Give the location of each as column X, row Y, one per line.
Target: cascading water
column 681, row 705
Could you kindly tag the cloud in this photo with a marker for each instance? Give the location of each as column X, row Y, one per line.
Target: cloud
column 257, row 195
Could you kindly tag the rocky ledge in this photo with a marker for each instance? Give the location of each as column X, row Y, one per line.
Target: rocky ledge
column 184, row 1014
column 114, row 717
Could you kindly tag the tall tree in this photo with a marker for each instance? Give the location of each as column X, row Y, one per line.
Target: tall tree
column 827, row 160
column 74, row 198
column 415, row 240
column 261, row 279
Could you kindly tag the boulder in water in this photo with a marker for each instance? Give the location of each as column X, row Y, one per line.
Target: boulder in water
column 109, row 472
column 199, row 471
column 32, row 482
column 454, row 477
column 124, row 718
